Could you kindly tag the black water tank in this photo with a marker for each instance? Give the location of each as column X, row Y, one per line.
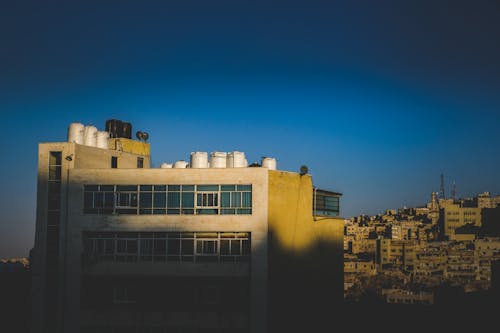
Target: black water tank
column 114, row 127
column 126, row 130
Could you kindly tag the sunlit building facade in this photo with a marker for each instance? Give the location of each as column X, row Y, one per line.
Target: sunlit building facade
column 123, row 247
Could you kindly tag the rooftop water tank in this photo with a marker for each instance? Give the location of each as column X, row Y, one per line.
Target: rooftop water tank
column 126, row 130
column 236, row 159
column 180, row 164
column 269, row 162
column 75, row 133
column 90, row 136
column 114, row 127
column 166, row 166
column 199, row 159
column 218, row 159
column 102, row 139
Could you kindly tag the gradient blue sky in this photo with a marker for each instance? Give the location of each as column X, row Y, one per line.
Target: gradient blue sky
column 377, row 98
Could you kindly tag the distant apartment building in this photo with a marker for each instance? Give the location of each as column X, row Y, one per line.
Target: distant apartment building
column 401, row 296
column 397, row 253
column 360, row 267
column 207, row 247
column 454, row 216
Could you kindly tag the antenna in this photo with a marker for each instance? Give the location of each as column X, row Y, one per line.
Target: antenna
column 441, row 188
column 454, row 191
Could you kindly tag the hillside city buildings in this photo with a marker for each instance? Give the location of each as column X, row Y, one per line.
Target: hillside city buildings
column 406, row 255
column 206, row 246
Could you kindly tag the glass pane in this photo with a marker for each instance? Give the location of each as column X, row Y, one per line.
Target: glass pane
column 187, row 199
column 160, row 188
column 55, row 158
column 246, row 199
column 245, row 248
column 54, row 173
column 160, row 247
column 207, row 187
column 98, row 199
column 109, row 199
column 244, row 187
column 225, row 199
column 160, row 199
column 235, row 199
column 187, row 187
column 90, row 187
column 131, row 188
column 107, row 188
column 174, row 200
column 227, row 187
column 187, row 246
column 173, row 246
column 88, row 200
column 174, row 187
column 235, row 247
column 224, row 247
column 146, row 187
column 121, row 246
column 132, row 246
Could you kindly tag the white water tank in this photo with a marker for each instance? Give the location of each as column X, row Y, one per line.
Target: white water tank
column 269, row 162
column 102, row 139
column 75, row 133
column 90, row 136
column 199, row 160
column 180, row 164
column 166, row 166
column 218, row 159
column 236, row 159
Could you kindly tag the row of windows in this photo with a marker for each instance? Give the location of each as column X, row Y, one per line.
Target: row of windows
column 168, row 199
column 167, row 246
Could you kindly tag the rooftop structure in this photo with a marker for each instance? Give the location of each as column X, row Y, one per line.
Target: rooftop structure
column 207, row 245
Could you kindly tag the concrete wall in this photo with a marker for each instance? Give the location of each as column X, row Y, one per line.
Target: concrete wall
column 305, row 257
column 256, row 224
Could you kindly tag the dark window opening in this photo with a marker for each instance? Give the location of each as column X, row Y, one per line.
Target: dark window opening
column 114, row 162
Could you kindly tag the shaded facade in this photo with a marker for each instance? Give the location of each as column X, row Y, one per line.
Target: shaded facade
column 122, row 247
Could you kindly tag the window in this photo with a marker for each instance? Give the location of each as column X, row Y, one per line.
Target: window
column 167, row 246
column 140, row 162
column 114, row 162
column 326, row 203
column 168, row 199
column 123, row 295
column 54, row 202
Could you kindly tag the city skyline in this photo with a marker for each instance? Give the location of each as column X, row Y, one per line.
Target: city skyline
column 377, row 101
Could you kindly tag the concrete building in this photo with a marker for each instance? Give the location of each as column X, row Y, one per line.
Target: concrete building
column 453, row 216
column 123, row 247
column 397, row 253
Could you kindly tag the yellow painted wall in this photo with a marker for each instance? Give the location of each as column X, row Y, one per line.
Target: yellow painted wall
column 305, row 258
column 290, row 214
column 129, row 146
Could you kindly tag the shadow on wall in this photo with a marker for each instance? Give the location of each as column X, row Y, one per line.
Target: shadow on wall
column 305, row 289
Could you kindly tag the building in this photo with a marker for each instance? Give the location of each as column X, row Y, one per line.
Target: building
column 454, row 216
column 397, row 253
column 124, row 247
column 400, row 296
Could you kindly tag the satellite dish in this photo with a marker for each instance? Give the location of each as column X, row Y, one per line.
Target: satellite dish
column 139, row 135
column 145, row 136
column 303, row 170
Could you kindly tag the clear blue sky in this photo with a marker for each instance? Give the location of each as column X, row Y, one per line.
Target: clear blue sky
column 377, row 98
